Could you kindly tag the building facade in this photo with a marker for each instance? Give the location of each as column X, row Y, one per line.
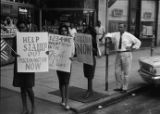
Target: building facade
column 141, row 16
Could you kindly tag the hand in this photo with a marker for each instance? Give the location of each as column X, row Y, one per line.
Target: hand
column 72, row 58
column 17, row 55
column 128, row 48
column 47, row 52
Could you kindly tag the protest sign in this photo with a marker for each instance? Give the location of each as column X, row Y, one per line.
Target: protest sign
column 9, row 32
column 83, row 43
column 60, row 48
column 32, row 47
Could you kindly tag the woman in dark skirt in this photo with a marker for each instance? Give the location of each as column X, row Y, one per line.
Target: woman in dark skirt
column 25, row 81
column 89, row 70
column 64, row 77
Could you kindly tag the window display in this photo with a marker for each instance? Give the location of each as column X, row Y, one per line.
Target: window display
column 148, row 18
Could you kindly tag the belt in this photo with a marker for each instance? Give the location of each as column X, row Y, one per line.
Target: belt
column 123, row 51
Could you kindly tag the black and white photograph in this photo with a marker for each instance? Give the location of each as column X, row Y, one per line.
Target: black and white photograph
column 80, row 57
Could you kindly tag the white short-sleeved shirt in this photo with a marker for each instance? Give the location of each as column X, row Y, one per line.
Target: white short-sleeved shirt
column 128, row 40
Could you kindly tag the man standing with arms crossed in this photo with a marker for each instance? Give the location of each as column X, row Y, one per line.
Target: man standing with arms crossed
column 124, row 43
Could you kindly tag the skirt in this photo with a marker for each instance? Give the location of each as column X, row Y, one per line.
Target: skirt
column 63, row 77
column 26, row 80
column 89, row 70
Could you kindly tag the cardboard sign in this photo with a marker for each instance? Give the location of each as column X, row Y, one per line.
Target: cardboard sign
column 32, row 47
column 60, row 48
column 83, row 43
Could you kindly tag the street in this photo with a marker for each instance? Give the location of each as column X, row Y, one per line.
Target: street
column 144, row 102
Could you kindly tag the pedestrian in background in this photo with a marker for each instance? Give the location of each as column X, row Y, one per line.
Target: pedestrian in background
column 124, row 43
column 89, row 70
column 72, row 30
column 25, row 81
column 64, row 77
column 99, row 37
column 30, row 26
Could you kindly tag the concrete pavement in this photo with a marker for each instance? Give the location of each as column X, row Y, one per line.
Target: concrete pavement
column 47, row 82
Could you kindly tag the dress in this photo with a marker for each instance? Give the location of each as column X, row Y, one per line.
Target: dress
column 22, row 79
column 89, row 70
column 63, row 76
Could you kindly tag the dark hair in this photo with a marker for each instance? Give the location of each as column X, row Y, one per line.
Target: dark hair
column 122, row 24
column 63, row 26
column 20, row 23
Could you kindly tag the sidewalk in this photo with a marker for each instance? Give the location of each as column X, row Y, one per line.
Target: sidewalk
column 47, row 82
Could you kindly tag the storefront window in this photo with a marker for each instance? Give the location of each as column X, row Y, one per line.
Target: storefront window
column 52, row 19
column 148, row 17
column 118, row 12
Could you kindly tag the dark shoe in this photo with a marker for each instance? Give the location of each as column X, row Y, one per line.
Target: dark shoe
column 118, row 89
column 25, row 112
column 124, row 91
column 62, row 104
column 67, row 107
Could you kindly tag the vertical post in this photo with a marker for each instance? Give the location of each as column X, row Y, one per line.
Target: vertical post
column 106, row 50
column 107, row 63
column 40, row 19
column 152, row 46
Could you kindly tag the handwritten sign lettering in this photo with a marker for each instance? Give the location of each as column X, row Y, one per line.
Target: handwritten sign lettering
column 32, row 47
column 83, row 43
column 60, row 50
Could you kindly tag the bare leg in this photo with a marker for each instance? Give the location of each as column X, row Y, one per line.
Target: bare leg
column 31, row 97
column 89, row 92
column 24, row 100
column 62, row 91
column 66, row 96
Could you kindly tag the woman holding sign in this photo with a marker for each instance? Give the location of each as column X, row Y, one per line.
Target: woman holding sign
column 89, row 70
column 25, row 81
column 64, row 77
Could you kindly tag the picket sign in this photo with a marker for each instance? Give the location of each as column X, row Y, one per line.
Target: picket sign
column 83, row 43
column 32, row 47
column 60, row 48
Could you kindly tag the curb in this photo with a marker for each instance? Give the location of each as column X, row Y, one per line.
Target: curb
column 117, row 97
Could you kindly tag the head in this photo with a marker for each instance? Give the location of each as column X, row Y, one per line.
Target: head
column 7, row 21
column 71, row 25
column 98, row 23
column 121, row 27
column 63, row 30
column 22, row 27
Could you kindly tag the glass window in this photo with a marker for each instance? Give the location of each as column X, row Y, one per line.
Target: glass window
column 148, row 17
column 117, row 12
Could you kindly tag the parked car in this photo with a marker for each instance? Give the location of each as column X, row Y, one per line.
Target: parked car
column 150, row 69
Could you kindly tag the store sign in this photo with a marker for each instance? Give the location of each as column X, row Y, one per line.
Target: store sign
column 10, row 32
column 117, row 13
column 147, row 15
column 23, row 10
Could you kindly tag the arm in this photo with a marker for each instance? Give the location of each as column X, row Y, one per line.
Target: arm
column 136, row 43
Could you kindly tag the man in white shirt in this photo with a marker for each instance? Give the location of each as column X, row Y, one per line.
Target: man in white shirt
column 124, row 42
column 72, row 30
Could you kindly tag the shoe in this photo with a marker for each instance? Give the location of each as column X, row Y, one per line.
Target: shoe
column 62, row 104
column 124, row 91
column 25, row 112
column 88, row 94
column 67, row 107
column 118, row 89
